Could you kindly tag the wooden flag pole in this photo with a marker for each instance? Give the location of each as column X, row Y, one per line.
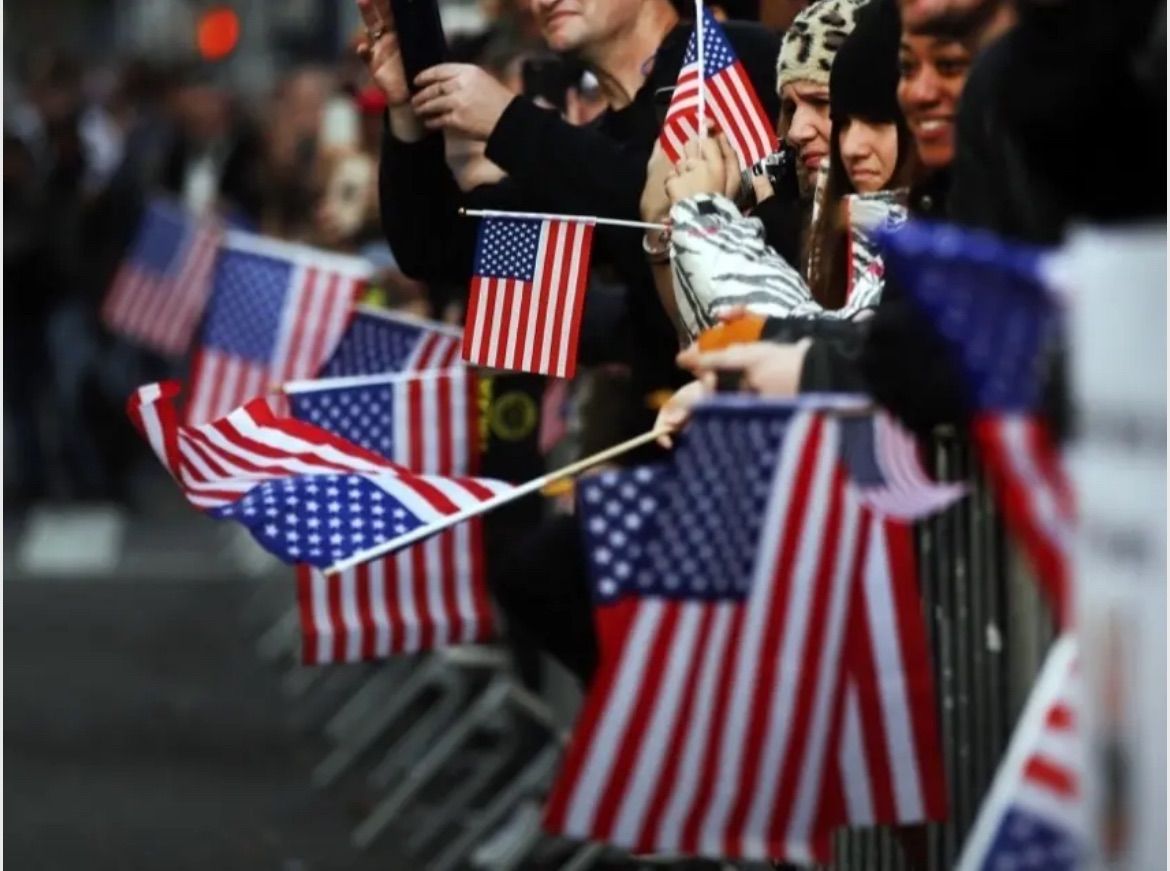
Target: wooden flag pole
column 315, row 385
column 701, row 130
column 484, row 507
column 545, row 216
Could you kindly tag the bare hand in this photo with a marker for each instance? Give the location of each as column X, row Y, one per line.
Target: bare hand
column 767, row 368
column 676, row 411
column 708, row 166
column 655, row 205
column 460, row 98
column 382, row 55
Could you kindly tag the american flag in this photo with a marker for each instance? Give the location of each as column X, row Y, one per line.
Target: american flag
column 432, row 593
column 722, row 583
column 889, row 755
column 527, row 294
column 1034, row 815
column 988, row 301
column 376, row 342
column 730, row 100
column 161, row 288
column 276, row 313
column 305, row 494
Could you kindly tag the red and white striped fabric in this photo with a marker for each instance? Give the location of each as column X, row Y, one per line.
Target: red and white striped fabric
column 161, row 288
column 430, row 595
column 276, row 314
column 433, row 593
column 1036, row 498
column 730, row 101
column 908, row 492
column 709, row 729
column 527, row 295
column 890, row 765
column 219, row 462
column 1034, row 815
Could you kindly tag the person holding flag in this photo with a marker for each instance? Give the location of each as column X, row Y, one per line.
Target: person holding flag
column 636, row 51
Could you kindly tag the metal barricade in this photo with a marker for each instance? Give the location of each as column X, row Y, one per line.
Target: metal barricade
column 989, row 629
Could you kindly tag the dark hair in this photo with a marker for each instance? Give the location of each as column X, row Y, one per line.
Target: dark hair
column 829, row 261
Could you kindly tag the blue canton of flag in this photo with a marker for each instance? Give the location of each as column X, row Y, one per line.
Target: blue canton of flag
column 987, row 299
column 717, row 52
column 689, row 528
column 245, row 313
column 1027, row 841
column 377, row 342
column 322, row 519
column 159, row 245
column 362, row 415
column 507, row 248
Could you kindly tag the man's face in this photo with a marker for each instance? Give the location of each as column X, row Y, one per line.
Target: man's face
column 578, row 26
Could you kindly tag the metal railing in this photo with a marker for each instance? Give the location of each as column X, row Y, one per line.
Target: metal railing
column 989, row 629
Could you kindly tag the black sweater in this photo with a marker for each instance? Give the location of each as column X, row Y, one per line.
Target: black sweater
column 556, row 167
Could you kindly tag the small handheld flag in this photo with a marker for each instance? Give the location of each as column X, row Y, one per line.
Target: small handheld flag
column 161, row 289
column 724, row 91
column 527, row 295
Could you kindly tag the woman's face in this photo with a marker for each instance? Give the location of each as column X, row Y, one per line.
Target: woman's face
column 805, row 124
column 932, row 74
column 869, row 152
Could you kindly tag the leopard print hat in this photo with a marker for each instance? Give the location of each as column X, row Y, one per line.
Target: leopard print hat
column 809, row 45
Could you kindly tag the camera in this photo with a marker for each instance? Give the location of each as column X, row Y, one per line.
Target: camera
column 778, row 167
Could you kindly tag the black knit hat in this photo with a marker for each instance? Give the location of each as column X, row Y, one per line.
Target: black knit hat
column 864, row 81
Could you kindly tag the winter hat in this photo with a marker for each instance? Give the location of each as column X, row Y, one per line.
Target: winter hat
column 806, row 54
column 864, row 82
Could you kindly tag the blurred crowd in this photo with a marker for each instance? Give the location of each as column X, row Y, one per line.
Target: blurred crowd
column 1022, row 117
column 86, row 146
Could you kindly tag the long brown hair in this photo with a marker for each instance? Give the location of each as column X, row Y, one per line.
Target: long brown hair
column 828, row 247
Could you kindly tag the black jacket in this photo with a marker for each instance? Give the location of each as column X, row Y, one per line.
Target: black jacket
column 556, row 167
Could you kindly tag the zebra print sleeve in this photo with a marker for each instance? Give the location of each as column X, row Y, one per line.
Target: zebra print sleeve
column 719, row 259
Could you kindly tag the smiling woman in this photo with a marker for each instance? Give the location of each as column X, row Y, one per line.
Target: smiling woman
column 932, row 71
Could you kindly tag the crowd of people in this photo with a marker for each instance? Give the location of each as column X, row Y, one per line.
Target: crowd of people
column 1022, row 117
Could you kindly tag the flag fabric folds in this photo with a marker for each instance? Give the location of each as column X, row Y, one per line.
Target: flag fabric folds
column 305, row 494
column 161, row 288
column 730, row 100
column 377, row 342
column 988, row 300
column 276, row 313
column 747, row 601
column 432, row 593
column 527, row 295
column 1034, row 814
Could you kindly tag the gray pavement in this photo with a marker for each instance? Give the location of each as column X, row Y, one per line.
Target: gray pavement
column 142, row 732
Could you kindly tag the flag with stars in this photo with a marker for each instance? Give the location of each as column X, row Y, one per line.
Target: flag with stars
column 161, row 289
column 276, row 313
column 305, row 494
column 730, row 100
column 722, row 582
column 430, row 594
column 377, row 342
column 989, row 301
column 527, row 295
column 1034, row 815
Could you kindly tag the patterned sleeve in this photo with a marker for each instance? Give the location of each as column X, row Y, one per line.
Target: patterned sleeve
column 719, row 259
